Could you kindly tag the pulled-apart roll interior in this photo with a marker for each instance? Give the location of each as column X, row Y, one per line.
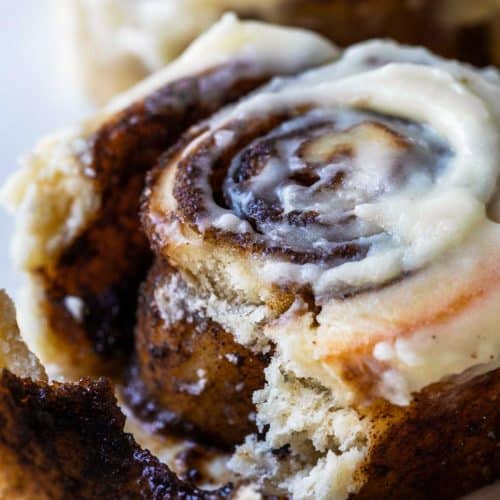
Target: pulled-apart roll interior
column 286, row 252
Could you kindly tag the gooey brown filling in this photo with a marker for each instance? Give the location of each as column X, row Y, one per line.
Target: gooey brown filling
column 296, row 177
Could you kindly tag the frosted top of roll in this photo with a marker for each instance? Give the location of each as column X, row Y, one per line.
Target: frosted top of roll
column 401, row 153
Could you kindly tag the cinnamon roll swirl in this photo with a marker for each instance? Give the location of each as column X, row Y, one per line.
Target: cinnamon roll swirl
column 336, row 190
column 318, row 261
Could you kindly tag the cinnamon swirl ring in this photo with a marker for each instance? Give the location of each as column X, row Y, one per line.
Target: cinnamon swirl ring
column 320, row 218
column 319, row 269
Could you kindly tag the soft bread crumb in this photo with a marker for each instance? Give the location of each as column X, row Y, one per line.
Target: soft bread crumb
column 178, row 299
column 312, row 448
column 14, row 355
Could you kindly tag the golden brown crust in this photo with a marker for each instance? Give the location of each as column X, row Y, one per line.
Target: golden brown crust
column 443, row 446
column 193, row 368
column 67, row 441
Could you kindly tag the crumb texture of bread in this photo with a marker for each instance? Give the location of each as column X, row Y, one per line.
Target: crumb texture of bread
column 54, row 198
column 313, row 446
column 443, row 445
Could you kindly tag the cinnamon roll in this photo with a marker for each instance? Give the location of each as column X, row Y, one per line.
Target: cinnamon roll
column 118, row 42
column 313, row 286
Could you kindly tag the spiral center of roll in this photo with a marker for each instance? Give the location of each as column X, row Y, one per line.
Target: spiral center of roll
column 299, row 184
